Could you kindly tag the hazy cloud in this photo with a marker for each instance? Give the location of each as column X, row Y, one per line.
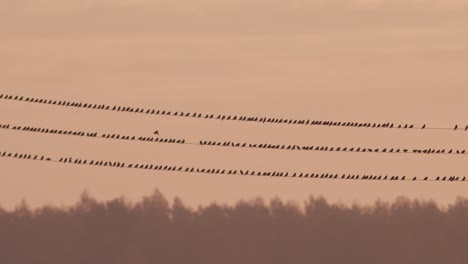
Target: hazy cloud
column 52, row 17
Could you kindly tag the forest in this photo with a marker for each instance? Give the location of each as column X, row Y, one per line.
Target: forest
column 154, row 230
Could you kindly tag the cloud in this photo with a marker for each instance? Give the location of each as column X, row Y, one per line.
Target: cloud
column 53, row 17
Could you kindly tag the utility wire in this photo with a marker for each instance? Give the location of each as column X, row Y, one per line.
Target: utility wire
column 221, row 171
column 220, row 117
column 232, row 144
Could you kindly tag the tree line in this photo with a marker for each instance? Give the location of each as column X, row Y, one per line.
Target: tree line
column 155, row 230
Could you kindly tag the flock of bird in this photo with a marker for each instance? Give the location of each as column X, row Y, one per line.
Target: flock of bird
column 426, row 151
column 256, row 119
column 218, row 171
column 227, row 144
column 231, row 144
column 90, row 134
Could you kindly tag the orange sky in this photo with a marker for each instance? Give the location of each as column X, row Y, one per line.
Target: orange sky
column 374, row 60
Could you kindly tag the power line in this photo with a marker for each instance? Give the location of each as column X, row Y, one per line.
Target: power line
column 93, row 134
column 220, row 171
column 220, row 117
column 232, row 144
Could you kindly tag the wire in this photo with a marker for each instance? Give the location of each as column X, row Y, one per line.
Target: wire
column 220, row 117
column 232, row 144
column 219, row 171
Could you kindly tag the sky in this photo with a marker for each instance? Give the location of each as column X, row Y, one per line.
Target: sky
column 356, row 60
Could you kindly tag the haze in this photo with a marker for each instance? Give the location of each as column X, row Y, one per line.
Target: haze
column 367, row 60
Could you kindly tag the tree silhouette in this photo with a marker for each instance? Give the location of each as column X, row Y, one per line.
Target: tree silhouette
column 156, row 231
